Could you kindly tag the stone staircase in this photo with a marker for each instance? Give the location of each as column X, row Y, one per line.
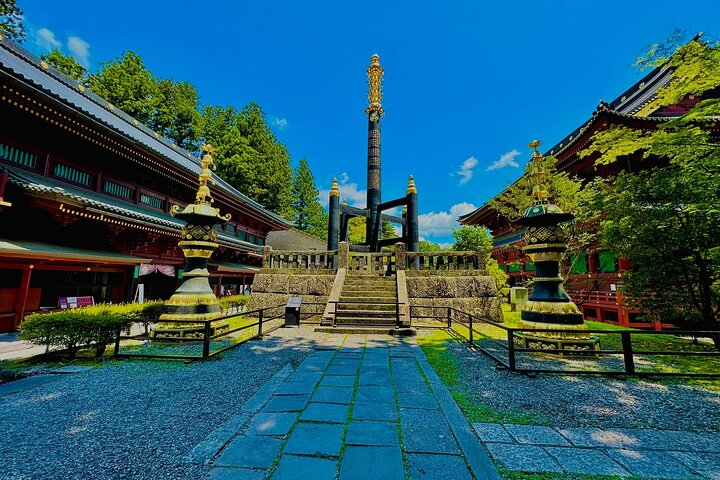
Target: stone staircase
column 364, row 301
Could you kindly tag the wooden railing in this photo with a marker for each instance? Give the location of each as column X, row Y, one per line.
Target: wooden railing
column 458, row 260
column 310, row 260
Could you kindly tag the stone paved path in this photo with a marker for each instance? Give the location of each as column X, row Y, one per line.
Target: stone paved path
column 621, row 452
column 357, row 408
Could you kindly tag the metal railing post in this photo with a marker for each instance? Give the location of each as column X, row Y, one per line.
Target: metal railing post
column 471, row 329
column 117, row 342
column 335, row 314
column 397, row 314
column 206, row 340
column 449, row 317
column 260, row 322
column 511, row 350
column 627, row 352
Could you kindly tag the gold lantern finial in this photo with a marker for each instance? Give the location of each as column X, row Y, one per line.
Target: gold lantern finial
column 207, row 165
column 375, row 79
column 335, row 189
column 539, row 190
column 411, row 188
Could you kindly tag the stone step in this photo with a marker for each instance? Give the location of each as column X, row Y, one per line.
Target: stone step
column 369, row 284
column 364, row 294
column 364, row 321
column 358, row 329
column 376, row 298
column 367, row 306
column 364, row 314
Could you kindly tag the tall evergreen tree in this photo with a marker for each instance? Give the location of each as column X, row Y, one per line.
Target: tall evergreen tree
column 11, row 18
column 310, row 216
column 67, row 65
column 127, row 84
column 177, row 116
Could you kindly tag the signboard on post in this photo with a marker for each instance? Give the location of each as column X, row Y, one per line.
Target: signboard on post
column 75, row 302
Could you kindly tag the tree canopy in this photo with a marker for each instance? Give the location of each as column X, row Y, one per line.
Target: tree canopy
column 310, row 216
column 11, row 18
column 468, row 238
column 67, row 65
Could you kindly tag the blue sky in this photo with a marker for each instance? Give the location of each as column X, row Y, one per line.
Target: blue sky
column 467, row 84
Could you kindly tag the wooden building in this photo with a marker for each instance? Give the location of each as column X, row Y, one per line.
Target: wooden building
column 85, row 194
column 595, row 280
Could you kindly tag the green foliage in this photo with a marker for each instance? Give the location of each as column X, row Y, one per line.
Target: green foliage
column 469, row 238
column 177, row 116
column 80, row 327
column 234, row 301
column 249, row 156
column 427, row 246
column 310, row 216
column 11, row 18
column 498, row 274
column 66, row 65
column 128, row 85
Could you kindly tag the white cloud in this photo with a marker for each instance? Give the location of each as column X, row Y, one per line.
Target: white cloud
column 349, row 191
column 45, row 39
column 505, row 160
column 466, row 170
column 280, row 122
column 80, row 49
column 440, row 224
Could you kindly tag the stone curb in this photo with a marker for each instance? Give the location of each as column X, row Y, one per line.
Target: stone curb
column 206, row 450
column 476, row 455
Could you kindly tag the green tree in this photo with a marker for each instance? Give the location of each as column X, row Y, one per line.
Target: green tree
column 66, row 65
column 469, row 238
column 128, row 85
column 428, row 246
column 11, row 18
column 249, row 156
column 177, row 116
column 310, row 216
column 666, row 220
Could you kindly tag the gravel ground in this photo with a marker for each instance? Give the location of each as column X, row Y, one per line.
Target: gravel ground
column 136, row 419
column 585, row 401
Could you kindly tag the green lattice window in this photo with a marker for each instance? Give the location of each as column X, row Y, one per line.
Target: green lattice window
column 117, row 189
column 151, row 201
column 15, row 155
column 579, row 263
column 607, row 262
column 251, row 238
column 514, row 268
column 242, row 235
column 72, row 174
column 529, row 266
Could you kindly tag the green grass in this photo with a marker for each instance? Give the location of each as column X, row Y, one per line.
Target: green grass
column 435, row 345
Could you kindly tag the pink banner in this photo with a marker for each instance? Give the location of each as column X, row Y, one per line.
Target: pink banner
column 148, row 268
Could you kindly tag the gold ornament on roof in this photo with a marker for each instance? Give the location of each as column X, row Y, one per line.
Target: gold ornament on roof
column 411, row 188
column 335, row 189
column 207, row 165
column 375, row 79
column 539, row 190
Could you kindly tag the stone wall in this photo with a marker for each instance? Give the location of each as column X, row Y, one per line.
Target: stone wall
column 271, row 289
column 475, row 294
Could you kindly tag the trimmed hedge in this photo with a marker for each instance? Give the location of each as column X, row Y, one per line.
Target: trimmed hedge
column 82, row 327
column 234, row 301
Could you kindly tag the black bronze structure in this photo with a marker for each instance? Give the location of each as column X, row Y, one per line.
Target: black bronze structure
column 340, row 214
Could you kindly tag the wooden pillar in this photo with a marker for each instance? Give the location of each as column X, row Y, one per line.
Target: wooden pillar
column 593, row 261
column 242, row 292
column 22, row 294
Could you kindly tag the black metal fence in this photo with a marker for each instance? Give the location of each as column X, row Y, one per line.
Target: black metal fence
column 199, row 344
column 498, row 342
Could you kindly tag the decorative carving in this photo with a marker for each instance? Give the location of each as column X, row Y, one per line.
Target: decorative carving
column 375, row 79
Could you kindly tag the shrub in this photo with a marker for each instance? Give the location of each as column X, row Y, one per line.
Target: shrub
column 80, row 327
column 234, row 301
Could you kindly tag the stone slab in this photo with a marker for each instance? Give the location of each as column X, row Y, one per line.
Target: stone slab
column 525, row 458
column 271, row 423
column 706, row 464
column 426, row 438
column 410, row 399
column 305, row 377
column 342, row 370
column 586, row 461
column 423, row 466
column 492, row 433
column 338, row 381
column 225, row 473
column 371, row 411
column 372, row 433
column 412, row 417
column 648, row 463
column 293, row 467
column 373, row 379
column 297, row 388
column 25, row 384
column 287, row 403
column 536, row 435
column 375, row 394
column 333, row 395
column 325, row 412
column 318, row 439
column 250, row 452
column 363, row 463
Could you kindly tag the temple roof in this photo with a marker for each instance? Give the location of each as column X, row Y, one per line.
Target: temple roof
column 104, row 204
column 28, row 69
